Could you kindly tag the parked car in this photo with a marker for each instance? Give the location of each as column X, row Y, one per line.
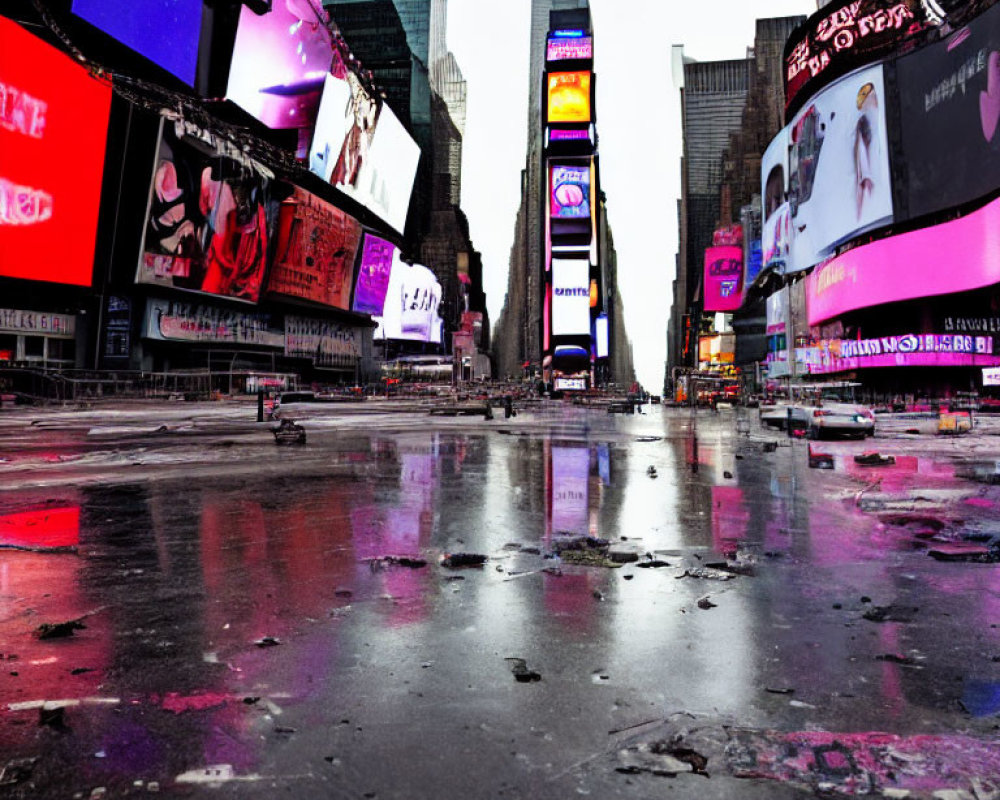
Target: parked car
column 841, row 419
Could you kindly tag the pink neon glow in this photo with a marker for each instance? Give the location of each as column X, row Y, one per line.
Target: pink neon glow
column 723, row 278
column 952, row 257
column 907, row 360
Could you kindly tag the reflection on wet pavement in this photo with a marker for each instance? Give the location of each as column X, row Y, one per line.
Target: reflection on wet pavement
column 279, row 624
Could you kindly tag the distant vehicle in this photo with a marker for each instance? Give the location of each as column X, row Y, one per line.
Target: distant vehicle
column 843, row 419
column 822, row 409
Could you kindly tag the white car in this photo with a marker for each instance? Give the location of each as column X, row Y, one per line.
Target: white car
column 842, row 419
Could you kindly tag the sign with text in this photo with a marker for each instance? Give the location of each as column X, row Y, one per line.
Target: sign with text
column 53, row 126
column 411, row 304
column 328, row 344
column 37, row 322
column 189, row 322
column 569, row 48
column 991, row 376
column 845, row 35
column 910, row 350
column 570, row 297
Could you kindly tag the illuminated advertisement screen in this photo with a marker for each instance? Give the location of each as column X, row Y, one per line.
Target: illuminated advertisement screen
column 910, row 350
column 569, row 48
column 777, row 216
column 167, row 320
column 569, row 97
column 364, row 150
column 991, row 376
column 53, row 126
column 838, row 168
column 570, row 477
column 42, row 528
column 279, row 62
column 373, row 275
column 411, row 304
column 167, row 32
column 570, row 297
column 315, row 251
column 845, row 35
column 723, row 278
column 601, row 336
column 570, row 192
column 569, row 135
column 950, row 93
column 755, row 264
column 909, row 266
column 206, row 223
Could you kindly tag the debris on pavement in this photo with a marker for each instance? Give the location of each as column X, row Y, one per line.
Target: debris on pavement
column 268, row 641
column 890, row 613
column 651, row 471
column 663, row 758
column 874, row 459
column 16, row 771
column 896, row 658
column 462, row 560
column 705, row 603
column 409, row 562
column 585, row 551
column 779, row 690
column 520, row 671
column 969, row 552
column 53, row 716
column 653, row 563
column 59, row 630
column 703, row 573
column 819, row 460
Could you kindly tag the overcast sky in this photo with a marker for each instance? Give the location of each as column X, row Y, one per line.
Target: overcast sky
column 638, row 113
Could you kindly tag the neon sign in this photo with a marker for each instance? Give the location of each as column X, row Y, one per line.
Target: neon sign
column 569, row 49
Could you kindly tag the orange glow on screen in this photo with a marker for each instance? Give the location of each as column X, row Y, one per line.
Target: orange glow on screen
column 569, row 97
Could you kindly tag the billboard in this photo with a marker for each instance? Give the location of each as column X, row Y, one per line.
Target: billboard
column 53, row 126
column 411, row 304
column 991, row 376
column 328, row 344
column 909, row 350
column 570, row 297
column 838, row 168
column 909, row 266
column 315, row 251
column 373, row 275
column 569, row 97
column 167, row 320
column 844, row 35
column 386, row 184
column 570, row 192
column 279, row 62
column 206, row 220
column 777, row 216
column 167, row 32
column 723, row 278
column 601, row 336
column 569, row 48
column 755, row 263
column 950, row 110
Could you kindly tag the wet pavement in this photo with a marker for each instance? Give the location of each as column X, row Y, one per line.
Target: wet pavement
column 667, row 607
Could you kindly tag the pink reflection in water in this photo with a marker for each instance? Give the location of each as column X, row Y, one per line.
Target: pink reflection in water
column 729, row 519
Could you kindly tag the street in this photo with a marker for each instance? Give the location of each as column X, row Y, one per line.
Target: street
column 671, row 604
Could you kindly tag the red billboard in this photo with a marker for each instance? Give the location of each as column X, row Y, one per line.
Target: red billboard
column 316, row 246
column 723, row 278
column 53, row 126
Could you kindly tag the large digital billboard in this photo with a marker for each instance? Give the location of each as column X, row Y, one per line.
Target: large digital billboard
column 361, row 147
column 377, row 256
column 838, row 185
column 955, row 256
column 569, row 97
column 570, row 297
column 570, row 192
column 279, row 62
column 326, row 343
column 206, row 222
column 777, row 216
column 950, row 110
column 168, row 320
column 561, row 46
column 723, row 278
column 316, row 244
column 411, row 304
column 844, row 35
column 167, row 32
column 53, row 127
column 909, row 350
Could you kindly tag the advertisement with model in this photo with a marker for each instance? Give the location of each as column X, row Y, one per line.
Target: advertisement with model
column 777, row 222
column 411, row 304
column 950, row 115
column 206, row 221
column 377, row 256
column 315, row 251
column 839, row 184
column 53, row 126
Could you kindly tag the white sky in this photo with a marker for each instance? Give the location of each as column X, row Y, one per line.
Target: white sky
column 638, row 120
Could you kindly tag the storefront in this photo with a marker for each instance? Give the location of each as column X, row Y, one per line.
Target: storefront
column 37, row 339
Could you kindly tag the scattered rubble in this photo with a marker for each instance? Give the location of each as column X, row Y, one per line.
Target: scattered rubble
column 873, row 459
column 890, row 613
column 409, row 562
column 519, row 668
column 462, row 560
column 59, row 630
column 268, row 641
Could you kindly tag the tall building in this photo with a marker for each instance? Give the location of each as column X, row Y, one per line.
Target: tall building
column 518, row 338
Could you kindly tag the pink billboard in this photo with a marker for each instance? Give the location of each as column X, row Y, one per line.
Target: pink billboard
column 909, row 350
column 723, row 278
column 955, row 256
